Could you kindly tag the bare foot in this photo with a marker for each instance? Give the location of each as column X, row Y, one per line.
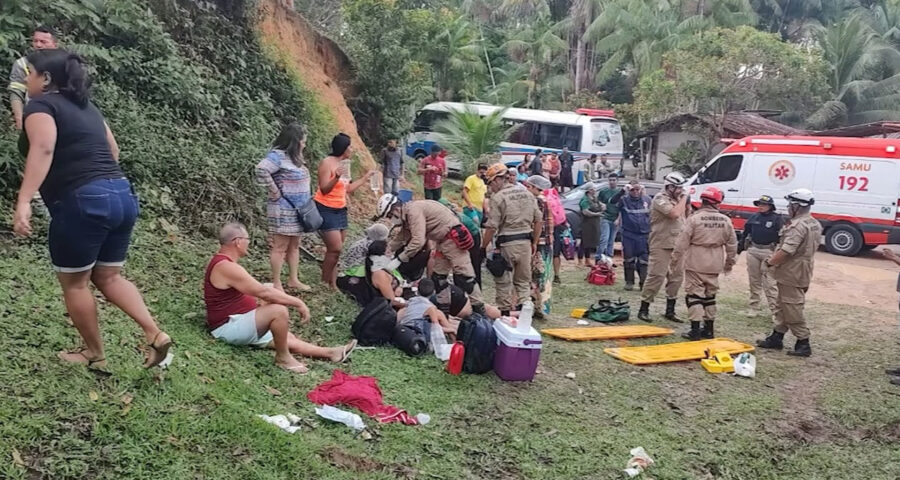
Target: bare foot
column 341, row 354
column 278, row 286
column 293, row 365
column 298, row 285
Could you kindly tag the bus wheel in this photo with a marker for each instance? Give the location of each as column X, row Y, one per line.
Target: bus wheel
column 843, row 240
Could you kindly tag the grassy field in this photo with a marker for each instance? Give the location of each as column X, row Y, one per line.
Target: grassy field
column 831, row 416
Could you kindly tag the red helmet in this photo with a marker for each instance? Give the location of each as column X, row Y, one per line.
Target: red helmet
column 712, row 195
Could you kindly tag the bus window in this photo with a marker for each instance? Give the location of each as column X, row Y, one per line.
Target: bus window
column 523, row 132
column 426, row 119
column 602, row 131
column 724, row 169
column 573, row 138
column 548, row 135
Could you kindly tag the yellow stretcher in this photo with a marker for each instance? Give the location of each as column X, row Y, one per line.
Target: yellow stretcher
column 676, row 352
column 607, row 333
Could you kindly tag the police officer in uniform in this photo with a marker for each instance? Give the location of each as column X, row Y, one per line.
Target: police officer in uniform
column 760, row 237
column 515, row 220
column 706, row 234
column 427, row 220
column 667, row 213
column 792, row 268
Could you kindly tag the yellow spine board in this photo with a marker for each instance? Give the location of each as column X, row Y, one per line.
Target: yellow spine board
column 676, row 352
column 607, row 333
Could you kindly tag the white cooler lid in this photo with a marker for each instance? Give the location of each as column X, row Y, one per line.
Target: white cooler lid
column 512, row 337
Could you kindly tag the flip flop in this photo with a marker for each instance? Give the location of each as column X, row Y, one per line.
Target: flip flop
column 348, row 349
column 159, row 352
column 96, row 364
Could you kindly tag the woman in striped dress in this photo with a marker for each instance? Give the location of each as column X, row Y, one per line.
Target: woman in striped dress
column 287, row 180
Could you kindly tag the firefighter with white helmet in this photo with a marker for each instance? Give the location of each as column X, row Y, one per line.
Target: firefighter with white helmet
column 707, row 246
column 427, row 220
column 515, row 222
column 792, row 267
column 667, row 214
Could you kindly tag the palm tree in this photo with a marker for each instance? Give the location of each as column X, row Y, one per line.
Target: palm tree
column 858, row 58
column 797, row 19
column 537, row 46
column 472, row 137
column 455, row 56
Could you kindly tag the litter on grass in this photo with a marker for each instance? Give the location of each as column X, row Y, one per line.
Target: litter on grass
column 745, row 365
column 349, row 419
column 289, row 423
column 639, row 462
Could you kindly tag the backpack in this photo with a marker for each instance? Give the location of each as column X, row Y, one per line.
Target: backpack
column 375, row 323
column 412, row 338
column 601, row 274
column 606, row 311
column 555, row 206
column 480, row 341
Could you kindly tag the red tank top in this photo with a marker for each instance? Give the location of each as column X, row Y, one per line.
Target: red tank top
column 220, row 304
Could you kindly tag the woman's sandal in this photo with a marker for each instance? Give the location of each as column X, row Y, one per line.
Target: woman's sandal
column 158, row 352
column 301, row 369
column 348, row 349
column 92, row 364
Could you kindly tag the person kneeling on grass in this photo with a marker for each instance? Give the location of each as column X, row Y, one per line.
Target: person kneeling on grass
column 420, row 306
column 233, row 316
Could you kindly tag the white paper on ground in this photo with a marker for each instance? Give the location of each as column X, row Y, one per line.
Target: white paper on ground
column 282, row 421
column 349, row 419
column 167, row 361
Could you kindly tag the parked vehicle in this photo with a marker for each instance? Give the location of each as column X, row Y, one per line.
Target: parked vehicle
column 584, row 131
column 856, row 182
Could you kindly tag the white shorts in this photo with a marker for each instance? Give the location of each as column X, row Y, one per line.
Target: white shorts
column 241, row 330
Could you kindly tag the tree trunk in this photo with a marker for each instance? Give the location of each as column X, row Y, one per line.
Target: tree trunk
column 579, row 63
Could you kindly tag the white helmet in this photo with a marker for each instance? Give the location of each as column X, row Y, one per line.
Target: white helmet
column 385, row 203
column 801, row 196
column 675, row 179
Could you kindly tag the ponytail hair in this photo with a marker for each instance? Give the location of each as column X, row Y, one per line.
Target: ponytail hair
column 67, row 72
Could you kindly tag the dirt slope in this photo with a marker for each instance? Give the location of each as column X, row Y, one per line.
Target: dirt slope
column 325, row 69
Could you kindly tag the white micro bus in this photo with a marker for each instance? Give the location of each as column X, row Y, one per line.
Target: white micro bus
column 584, row 131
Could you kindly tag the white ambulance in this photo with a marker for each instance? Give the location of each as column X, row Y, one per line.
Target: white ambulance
column 856, row 183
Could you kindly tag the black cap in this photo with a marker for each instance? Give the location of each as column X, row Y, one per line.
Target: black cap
column 765, row 200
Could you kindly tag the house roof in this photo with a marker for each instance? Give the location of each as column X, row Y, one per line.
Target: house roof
column 736, row 124
column 874, row 129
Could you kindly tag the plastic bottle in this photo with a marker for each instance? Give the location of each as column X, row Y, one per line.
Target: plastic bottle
column 345, row 170
column 375, row 183
column 439, row 343
column 525, row 316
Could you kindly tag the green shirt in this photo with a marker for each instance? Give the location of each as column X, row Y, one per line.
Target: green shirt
column 612, row 209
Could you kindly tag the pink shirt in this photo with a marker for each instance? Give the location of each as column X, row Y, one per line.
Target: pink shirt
column 434, row 179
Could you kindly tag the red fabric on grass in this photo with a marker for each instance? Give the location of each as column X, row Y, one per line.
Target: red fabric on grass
column 361, row 393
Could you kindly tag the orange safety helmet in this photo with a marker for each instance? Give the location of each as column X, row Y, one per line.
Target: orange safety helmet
column 494, row 171
column 712, row 195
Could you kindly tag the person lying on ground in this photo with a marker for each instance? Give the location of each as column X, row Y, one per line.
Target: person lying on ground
column 375, row 279
column 233, row 316
column 420, row 306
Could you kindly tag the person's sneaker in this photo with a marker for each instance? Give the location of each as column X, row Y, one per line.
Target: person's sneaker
column 629, row 287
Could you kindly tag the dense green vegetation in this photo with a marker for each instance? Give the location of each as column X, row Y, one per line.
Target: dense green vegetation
column 568, row 53
column 189, row 92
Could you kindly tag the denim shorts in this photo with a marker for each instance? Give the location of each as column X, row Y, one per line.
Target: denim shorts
column 92, row 225
column 332, row 218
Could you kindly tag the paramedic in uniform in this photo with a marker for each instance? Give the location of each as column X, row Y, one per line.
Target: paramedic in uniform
column 706, row 234
column 667, row 212
column 792, row 268
column 634, row 209
column 427, row 220
column 516, row 221
column 761, row 235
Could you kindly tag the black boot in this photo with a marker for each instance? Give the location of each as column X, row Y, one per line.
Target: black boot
column 693, row 333
column 801, row 349
column 775, row 341
column 629, row 277
column 642, row 273
column 644, row 312
column 707, row 331
column 670, row 311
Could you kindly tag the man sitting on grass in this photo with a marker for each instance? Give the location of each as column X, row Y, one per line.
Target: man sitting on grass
column 233, row 316
column 420, row 306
